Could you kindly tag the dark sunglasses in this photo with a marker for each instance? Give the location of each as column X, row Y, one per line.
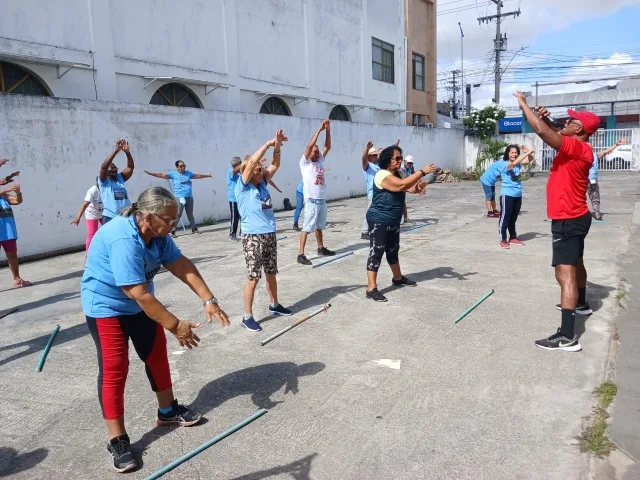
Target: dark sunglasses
column 397, row 158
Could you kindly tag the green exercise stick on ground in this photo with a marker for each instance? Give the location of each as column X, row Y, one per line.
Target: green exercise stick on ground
column 43, row 357
column 472, row 307
column 206, row 445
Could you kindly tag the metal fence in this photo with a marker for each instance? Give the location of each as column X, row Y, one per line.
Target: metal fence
column 618, row 160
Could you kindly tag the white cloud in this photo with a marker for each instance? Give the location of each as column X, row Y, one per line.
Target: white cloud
column 538, row 17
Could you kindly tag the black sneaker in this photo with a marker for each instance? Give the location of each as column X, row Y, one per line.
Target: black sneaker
column 120, row 450
column 376, row 295
column 558, row 341
column 296, row 227
column 404, row 282
column 364, row 236
column 195, row 230
column 233, row 237
column 303, row 260
column 326, row 252
column 580, row 309
column 178, row 416
column 279, row 310
column 173, row 234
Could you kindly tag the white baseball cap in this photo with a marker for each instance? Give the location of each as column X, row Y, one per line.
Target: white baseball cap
column 408, row 159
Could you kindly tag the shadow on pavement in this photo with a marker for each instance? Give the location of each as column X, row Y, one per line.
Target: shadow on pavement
column 316, row 299
column 61, row 297
column 532, row 236
column 299, row 470
column 440, row 272
column 260, row 382
column 595, row 296
column 11, row 462
column 37, row 344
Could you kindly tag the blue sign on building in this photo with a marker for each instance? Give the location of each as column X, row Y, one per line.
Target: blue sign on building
column 510, row 125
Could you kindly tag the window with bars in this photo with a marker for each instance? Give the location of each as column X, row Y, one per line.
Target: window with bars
column 339, row 113
column 418, row 72
column 382, row 55
column 18, row 80
column 275, row 106
column 175, row 95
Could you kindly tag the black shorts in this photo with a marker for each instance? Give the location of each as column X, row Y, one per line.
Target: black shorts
column 568, row 239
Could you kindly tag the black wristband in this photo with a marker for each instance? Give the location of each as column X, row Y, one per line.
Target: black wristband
column 424, row 174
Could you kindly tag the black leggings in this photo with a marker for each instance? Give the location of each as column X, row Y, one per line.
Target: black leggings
column 509, row 211
column 383, row 239
column 235, row 217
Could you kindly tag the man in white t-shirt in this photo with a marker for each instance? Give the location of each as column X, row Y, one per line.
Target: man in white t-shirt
column 313, row 179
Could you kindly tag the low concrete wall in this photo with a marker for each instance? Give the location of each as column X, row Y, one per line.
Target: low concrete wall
column 59, row 144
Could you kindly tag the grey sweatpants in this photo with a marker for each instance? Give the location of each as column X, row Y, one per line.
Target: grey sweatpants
column 365, row 225
column 188, row 206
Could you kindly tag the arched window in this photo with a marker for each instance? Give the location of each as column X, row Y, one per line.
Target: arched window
column 339, row 113
column 275, row 106
column 19, row 80
column 175, row 95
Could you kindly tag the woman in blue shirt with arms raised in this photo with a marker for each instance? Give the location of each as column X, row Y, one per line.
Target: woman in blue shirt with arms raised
column 259, row 228
column 183, row 190
column 118, row 301
column 511, row 192
column 111, row 183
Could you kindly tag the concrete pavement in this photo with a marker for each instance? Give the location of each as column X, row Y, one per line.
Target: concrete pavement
column 475, row 400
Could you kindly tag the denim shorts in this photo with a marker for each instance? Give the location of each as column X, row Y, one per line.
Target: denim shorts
column 315, row 215
column 489, row 192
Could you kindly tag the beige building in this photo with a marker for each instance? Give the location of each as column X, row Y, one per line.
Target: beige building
column 420, row 30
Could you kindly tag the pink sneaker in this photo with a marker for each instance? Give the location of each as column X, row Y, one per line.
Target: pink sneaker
column 517, row 241
column 504, row 244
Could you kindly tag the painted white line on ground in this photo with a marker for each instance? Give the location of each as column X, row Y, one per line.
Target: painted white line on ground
column 386, row 362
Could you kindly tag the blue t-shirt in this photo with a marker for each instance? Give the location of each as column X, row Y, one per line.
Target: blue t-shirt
column 491, row 175
column 593, row 171
column 255, row 207
column 511, row 184
column 114, row 195
column 300, row 188
column 369, row 173
column 232, row 180
column 8, row 230
column 182, row 187
column 119, row 257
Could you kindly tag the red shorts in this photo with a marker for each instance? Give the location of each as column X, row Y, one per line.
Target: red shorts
column 10, row 246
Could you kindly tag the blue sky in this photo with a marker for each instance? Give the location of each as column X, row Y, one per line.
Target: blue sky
column 603, row 32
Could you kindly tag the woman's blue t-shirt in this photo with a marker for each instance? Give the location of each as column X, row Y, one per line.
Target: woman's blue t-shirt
column 118, row 257
column 511, row 185
column 491, row 175
column 114, row 195
column 182, row 185
column 255, row 207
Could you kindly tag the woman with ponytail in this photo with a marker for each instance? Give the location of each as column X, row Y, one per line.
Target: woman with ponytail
column 118, row 300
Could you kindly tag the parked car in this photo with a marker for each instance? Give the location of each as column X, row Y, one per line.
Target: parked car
column 619, row 159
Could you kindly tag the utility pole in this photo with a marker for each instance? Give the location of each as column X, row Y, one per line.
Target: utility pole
column 454, row 88
column 462, row 61
column 500, row 42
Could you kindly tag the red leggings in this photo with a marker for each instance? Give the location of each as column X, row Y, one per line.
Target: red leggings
column 111, row 336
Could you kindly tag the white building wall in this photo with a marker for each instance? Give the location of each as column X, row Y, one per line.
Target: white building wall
column 59, row 144
column 316, row 49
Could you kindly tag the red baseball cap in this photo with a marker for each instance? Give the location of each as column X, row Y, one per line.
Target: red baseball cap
column 590, row 121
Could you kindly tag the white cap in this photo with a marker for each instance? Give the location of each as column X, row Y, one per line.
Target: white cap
column 408, row 159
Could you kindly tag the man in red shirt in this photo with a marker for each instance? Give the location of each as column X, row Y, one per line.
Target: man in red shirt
column 567, row 208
